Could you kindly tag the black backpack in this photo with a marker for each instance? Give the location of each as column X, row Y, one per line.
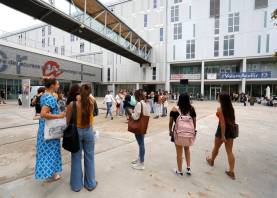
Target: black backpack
column 70, row 134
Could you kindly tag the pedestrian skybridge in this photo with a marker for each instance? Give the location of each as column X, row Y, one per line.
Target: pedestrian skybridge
column 89, row 20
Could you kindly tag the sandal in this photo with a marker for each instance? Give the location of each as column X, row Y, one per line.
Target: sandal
column 56, row 177
column 230, row 174
column 209, row 161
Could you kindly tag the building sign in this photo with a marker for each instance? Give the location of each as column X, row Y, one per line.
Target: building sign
column 51, row 68
column 185, row 76
column 247, row 75
column 28, row 64
column 212, row 76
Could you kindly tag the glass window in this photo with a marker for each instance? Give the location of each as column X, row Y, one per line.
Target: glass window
column 216, row 25
column 62, row 50
column 161, row 34
column 43, row 31
column 43, row 42
column 54, row 41
column 265, row 19
column 229, row 45
column 177, row 1
column 189, row 12
column 233, row 22
column 230, row 5
column 175, row 13
column 56, row 50
column 49, row 29
column 267, row 43
column 193, row 30
column 177, row 31
column 214, row 8
column 109, row 75
column 154, row 3
column 259, row 44
column 48, row 42
column 72, row 38
column 190, row 49
column 154, row 71
column 145, row 20
column 82, row 47
column 261, row 4
column 173, row 52
column 216, row 46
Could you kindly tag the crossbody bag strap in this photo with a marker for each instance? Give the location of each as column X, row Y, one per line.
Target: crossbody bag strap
column 141, row 113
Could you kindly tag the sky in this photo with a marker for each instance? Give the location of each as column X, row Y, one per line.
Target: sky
column 12, row 20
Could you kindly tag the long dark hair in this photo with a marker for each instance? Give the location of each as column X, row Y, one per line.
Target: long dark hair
column 227, row 108
column 48, row 82
column 86, row 104
column 184, row 103
column 139, row 95
column 73, row 93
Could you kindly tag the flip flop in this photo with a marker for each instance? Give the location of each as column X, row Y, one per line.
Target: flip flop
column 230, row 174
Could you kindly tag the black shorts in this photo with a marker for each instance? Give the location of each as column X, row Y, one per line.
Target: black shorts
column 228, row 132
column 117, row 105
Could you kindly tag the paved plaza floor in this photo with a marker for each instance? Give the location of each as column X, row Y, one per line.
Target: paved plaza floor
column 255, row 151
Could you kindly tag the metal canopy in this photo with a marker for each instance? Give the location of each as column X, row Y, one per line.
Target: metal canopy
column 113, row 34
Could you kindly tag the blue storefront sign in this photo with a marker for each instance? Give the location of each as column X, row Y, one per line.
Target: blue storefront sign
column 247, row 75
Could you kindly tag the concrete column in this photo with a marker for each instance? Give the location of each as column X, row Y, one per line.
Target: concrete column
column 243, row 83
column 113, row 89
column 137, row 86
column 202, row 77
column 167, row 78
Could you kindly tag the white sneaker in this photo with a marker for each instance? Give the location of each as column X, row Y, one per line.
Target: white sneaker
column 135, row 161
column 188, row 171
column 138, row 166
column 178, row 173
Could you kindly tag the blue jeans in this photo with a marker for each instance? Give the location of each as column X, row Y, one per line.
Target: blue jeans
column 140, row 140
column 109, row 109
column 86, row 138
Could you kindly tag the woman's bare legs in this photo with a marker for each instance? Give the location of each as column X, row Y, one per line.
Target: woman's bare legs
column 217, row 144
column 231, row 157
column 187, row 154
column 179, row 152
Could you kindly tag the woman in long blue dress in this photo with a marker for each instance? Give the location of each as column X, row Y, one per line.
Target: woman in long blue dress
column 48, row 152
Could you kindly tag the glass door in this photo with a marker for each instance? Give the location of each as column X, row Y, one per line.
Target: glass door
column 214, row 91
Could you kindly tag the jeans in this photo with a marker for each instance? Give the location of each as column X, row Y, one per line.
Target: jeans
column 109, row 109
column 140, row 140
column 122, row 111
column 164, row 111
column 86, row 138
column 152, row 106
column 158, row 109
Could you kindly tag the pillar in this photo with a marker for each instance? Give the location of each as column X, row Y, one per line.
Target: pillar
column 137, row 86
column 167, row 77
column 113, row 89
column 202, row 77
column 243, row 82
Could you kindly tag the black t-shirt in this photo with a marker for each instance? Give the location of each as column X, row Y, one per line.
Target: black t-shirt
column 175, row 114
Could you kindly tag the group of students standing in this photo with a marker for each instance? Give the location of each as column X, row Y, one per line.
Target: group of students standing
column 182, row 129
column 48, row 152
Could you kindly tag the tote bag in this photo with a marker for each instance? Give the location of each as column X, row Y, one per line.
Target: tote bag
column 138, row 126
column 54, row 128
column 70, row 135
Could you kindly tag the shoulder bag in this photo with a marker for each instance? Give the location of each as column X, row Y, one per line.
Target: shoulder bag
column 70, row 135
column 138, row 126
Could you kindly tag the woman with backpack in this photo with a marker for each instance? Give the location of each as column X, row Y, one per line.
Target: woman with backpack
column 183, row 133
column 84, row 107
column 225, row 132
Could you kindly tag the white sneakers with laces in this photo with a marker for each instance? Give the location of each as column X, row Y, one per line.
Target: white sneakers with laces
column 136, row 164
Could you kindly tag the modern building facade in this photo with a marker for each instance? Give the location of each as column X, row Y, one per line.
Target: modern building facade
column 218, row 45
column 20, row 62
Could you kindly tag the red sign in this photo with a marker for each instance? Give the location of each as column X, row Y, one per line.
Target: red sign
column 51, row 68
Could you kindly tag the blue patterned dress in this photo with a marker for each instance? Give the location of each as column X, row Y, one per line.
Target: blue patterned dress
column 48, row 156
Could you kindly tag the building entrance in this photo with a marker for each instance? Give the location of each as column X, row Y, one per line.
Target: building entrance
column 214, row 91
